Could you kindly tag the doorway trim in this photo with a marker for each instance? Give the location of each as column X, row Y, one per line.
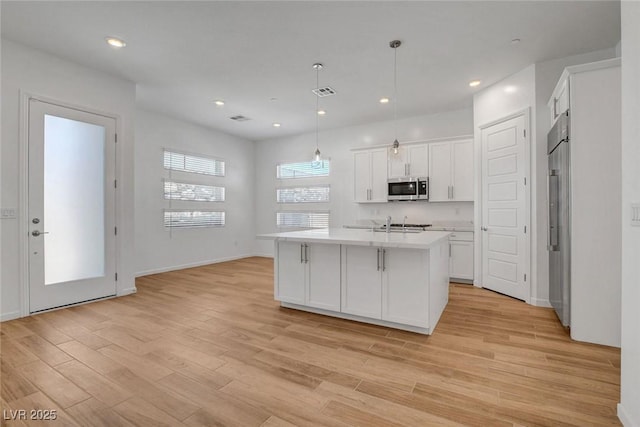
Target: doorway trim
column 478, row 207
column 23, row 187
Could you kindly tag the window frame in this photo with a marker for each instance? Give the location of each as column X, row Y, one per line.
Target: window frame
column 200, row 156
column 327, row 186
column 179, row 227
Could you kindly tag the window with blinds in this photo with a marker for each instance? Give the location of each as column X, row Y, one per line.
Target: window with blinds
column 193, row 192
column 193, row 164
column 302, row 219
column 316, row 194
column 309, row 169
column 192, row 218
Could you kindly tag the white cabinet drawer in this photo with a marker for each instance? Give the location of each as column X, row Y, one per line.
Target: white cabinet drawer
column 463, row 236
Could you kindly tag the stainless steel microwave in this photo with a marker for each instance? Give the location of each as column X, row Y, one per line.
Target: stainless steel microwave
column 403, row 189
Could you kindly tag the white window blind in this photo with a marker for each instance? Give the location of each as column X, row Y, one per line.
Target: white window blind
column 303, row 169
column 193, row 218
column 193, row 192
column 315, row 194
column 303, row 219
column 193, row 164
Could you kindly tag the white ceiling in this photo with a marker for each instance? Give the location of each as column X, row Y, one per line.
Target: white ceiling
column 184, row 55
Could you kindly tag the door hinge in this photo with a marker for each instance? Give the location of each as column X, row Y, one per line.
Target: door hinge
column 525, row 277
column 116, row 140
column 115, row 230
column 115, row 183
column 525, row 229
column 116, row 277
column 525, row 180
column 525, row 132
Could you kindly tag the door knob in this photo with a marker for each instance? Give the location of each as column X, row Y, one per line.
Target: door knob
column 483, row 228
column 36, row 233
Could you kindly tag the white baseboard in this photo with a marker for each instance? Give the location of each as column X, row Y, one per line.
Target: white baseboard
column 539, row 302
column 127, row 291
column 625, row 418
column 264, row 255
column 10, row 315
column 191, row 265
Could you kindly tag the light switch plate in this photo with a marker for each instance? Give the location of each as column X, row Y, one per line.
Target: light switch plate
column 635, row 214
column 7, row 213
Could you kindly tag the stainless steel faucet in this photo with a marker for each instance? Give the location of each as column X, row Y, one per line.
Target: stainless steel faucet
column 388, row 223
column 404, row 221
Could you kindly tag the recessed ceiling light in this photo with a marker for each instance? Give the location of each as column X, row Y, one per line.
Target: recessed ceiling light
column 276, row 125
column 115, row 42
column 321, row 112
column 511, row 89
column 219, row 102
column 474, row 83
column 384, row 100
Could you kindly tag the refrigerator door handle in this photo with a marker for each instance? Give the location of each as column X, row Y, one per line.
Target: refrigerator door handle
column 553, row 212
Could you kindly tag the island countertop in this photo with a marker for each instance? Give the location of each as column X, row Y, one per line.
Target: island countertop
column 360, row 237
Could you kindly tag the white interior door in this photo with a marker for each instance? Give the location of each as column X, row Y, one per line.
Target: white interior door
column 72, row 250
column 504, row 208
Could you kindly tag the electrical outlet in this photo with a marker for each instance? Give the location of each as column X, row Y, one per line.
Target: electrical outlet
column 635, row 214
column 8, row 213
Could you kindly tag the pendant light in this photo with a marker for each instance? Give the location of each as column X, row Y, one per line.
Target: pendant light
column 395, row 44
column 317, row 66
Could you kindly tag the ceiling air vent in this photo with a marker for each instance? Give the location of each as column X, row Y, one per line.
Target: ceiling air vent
column 239, row 118
column 324, row 91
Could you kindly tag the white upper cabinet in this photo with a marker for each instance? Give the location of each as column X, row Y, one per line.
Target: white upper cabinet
column 559, row 102
column 462, row 180
column 451, row 171
column 370, row 169
column 411, row 160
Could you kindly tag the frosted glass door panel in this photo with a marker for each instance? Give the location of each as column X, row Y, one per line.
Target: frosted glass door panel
column 74, row 200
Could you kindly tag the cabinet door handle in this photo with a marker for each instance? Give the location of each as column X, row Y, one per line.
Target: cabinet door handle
column 384, row 259
column 301, row 258
column 452, row 187
column 408, row 169
column 378, row 259
column 306, row 253
column 449, row 250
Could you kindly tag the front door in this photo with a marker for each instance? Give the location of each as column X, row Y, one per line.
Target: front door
column 71, row 214
column 504, row 208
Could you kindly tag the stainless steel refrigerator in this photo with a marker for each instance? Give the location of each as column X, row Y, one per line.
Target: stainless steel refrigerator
column 559, row 233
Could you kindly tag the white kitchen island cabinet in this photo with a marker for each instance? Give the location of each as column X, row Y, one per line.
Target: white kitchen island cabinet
column 308, row 274
column 399, row 280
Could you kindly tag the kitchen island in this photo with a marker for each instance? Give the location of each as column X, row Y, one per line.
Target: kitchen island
column 396, row 279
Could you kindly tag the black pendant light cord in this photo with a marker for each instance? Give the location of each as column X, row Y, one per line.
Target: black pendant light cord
column 395, row 91
column 317, row 103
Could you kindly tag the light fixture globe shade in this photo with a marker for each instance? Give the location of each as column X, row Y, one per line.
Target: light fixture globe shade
column 316, row 156
column 395, row 146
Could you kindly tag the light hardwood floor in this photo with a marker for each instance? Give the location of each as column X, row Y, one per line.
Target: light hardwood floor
column 209, row 346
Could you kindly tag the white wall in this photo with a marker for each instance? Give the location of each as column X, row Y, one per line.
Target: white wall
column 160, row 249
column 41, row 74
column 629, row 410
column 533, row 86
column 337, row 144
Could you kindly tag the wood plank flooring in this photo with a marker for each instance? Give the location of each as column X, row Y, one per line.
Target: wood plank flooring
column 209, row 346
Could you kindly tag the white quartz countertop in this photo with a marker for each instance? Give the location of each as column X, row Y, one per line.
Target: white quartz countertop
column 359, row 237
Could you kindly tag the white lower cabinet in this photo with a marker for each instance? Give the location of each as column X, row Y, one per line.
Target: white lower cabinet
column 361, row 281
column 405, row 290
column 308, row 274
column 461, row 256
column 386, row 284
